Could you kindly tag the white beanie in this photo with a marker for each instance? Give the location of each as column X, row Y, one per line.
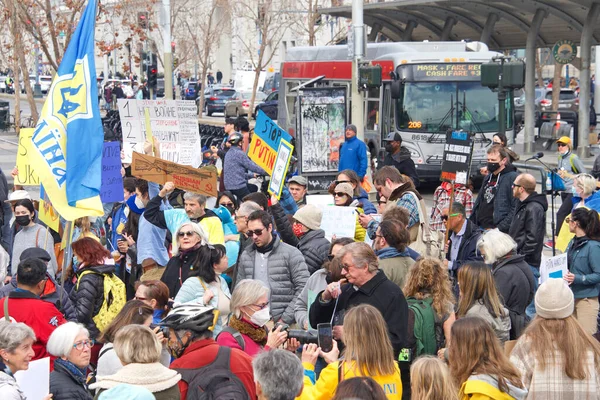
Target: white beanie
column 554, row 299
column 309, row 216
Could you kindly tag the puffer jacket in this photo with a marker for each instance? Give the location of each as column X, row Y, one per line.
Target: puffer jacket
column 179, row 268
column 53, row 293
column 501, row 324
column 581, row 254
column 288, row 274
column 313, row 245
column 528, row 227
column 88, row 295
column 9, row 388
column 505, row 203
column 65, row 386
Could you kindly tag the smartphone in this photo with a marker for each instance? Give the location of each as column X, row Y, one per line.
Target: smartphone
column 325, row 336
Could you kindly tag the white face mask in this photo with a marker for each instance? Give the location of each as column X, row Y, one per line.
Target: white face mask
column 138, row 203
column 261, row 317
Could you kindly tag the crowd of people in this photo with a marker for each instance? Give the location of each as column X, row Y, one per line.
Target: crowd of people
column 173, row 295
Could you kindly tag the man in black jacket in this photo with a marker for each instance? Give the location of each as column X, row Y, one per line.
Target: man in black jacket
column 399, row 157
column 528, row 226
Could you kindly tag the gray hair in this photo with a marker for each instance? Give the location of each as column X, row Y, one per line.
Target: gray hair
column 13, row 334
column 196, row 228
column 247, row 208
column 279, row 373
column 458, row 208
column 586, row 182
column 62, row 339
column 200, row 198
column 362, row 255
column 495, row 245
column 246, row 292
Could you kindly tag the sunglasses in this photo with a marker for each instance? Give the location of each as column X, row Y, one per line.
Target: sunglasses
column 338, row 182
column 445, row 217
column 226, row 204
column 515, row 185
column 339, row 194
column 256, row 232
column 561, row 145
column 330, row 257
column 188, row 234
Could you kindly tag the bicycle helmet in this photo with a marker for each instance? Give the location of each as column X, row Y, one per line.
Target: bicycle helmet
column 195, row 318
column 235, row 138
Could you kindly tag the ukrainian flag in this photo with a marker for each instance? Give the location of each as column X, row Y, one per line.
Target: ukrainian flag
column 67, row 141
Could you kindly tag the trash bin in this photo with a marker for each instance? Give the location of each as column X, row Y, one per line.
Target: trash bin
column 4, row 114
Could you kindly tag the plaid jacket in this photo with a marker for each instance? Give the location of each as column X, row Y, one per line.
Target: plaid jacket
column 441, row 200
column 552, row 383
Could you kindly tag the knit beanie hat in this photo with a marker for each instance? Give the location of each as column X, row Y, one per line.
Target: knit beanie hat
column 309, row 216
column 345, row 188
column 554, row 299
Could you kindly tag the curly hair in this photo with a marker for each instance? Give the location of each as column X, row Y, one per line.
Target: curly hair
column 428, row 277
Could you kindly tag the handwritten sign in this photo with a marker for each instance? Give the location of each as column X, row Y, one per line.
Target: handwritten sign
column 27, row 175
column 554, row 267
column 265, row 142
column 197, row 180
column 456, row 163
column 111, row 189
column 47, row 213
column 284, row 155
column 173, row 123
column 338, row 221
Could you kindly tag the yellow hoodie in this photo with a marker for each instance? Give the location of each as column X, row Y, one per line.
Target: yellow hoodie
column 325, row 387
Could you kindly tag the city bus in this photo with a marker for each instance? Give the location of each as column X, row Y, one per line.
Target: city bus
column 428, row 88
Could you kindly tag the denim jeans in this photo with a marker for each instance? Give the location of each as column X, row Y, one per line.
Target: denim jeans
column 530, row 311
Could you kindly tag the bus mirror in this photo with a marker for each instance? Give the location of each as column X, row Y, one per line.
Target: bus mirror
column 397, row 87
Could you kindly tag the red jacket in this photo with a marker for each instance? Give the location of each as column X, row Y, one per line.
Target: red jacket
column 203, row 352
column 40, row 315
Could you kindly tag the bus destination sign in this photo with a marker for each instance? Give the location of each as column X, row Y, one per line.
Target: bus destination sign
column 447, row 72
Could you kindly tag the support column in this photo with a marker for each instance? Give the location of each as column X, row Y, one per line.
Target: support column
column 168, row 55
column 488, row 28
column 410, row 27
column 448, row 25
column 597, row 83
column 375, row 29
column 532, row 35
column 584, row 80
column 358, row 30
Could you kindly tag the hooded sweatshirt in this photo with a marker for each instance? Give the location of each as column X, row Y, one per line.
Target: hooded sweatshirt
column 484, row 387
column 528, row 227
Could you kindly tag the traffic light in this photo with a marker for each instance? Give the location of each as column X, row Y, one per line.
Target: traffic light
column 153, row 72
column 143, row 19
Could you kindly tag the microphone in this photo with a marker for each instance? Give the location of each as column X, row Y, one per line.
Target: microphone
column 536, row 156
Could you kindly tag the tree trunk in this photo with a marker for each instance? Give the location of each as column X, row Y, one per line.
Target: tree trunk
column 539, row 68
column 556, row 85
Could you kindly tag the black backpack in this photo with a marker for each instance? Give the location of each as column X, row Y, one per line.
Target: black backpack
column 214, row 381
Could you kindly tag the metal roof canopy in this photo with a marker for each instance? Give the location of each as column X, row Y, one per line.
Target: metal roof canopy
column 502, row 24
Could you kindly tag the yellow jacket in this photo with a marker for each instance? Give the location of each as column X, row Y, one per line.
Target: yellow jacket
column 360, row 233
column 214, row 229
column 485, row 387
column 325, row 387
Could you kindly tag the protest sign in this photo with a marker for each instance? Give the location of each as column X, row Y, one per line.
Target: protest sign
column 173, row 123
column 554, row 267
column 27, row 175
column 284, row 155
column 456, row 163
column 111, row 189
column 265, row 142
column 34, row 382
column 320, row 200
column 47, row 213
column 197, row 180
column 338, row 221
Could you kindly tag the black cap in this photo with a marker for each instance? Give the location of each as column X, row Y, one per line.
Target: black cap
column 35, row 252
column 393, row 137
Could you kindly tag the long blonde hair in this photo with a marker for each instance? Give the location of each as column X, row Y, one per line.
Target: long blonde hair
column 475, row 349
column 429, row 277
column 430, row 380
column 367, row 342
column 565, row 337
column 477, row 284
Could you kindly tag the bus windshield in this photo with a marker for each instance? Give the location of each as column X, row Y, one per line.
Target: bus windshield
column 428, row 107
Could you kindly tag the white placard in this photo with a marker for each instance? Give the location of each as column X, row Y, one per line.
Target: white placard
column 320, row 200
column 174, row 124
column 339, row 221
column 35, row 381
column 553, row 267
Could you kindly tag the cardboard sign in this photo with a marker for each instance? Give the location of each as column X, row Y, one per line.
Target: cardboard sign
column 265, row 142
column 27, row 175
column 111, row 189
column 456, row 163
column 284, row 155
column 554, row 267
column 202, row 180
column 339, row 221
column 47, row 213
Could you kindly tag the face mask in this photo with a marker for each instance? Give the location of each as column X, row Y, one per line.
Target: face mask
column 574, row 191
column 23, row 220
column 139, row 203
column 261, row 317
column 493, row 166
column 297, row 228
column 389, row 148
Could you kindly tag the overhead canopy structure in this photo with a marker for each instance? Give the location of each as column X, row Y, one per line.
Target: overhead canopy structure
column 502, row 25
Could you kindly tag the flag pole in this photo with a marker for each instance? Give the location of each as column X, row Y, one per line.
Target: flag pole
column 66, row 256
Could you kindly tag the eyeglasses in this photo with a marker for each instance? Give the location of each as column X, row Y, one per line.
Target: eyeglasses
column 260, row 306
column 445, row 217
column 339, row 194
column 188, row 233
column 83, row 344
column 561, row 145
column 256, row 232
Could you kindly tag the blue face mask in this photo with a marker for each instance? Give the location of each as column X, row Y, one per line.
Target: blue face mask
column 574, row 191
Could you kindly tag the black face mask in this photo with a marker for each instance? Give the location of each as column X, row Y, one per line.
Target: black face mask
column 23, row 220
column 389, row 147
column 493, row 167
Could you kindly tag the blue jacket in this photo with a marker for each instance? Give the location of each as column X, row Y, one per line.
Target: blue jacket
column 151, row 238
column 367, row 206
column 592, row 202
column 582, row 256
column 353, row 155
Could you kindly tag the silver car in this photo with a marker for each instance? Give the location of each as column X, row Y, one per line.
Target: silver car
column 239, row 103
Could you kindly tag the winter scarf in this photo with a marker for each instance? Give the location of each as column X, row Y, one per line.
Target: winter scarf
column 256, row 333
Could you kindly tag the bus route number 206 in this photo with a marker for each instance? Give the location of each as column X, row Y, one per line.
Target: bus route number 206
column 415, row 124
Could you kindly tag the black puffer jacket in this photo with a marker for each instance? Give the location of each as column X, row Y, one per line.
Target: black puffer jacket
column 313, row 245
column 65, row 386
column 528, row 227
column 88, row 295
column 179, row 268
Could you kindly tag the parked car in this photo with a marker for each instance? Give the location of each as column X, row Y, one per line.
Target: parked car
column 190, row 90
column 568, row 104
column 269, row 106
column 239, row 104
column 45, row 83
column 3, row 83
column 215, row 98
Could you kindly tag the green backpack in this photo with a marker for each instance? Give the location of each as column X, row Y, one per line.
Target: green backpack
column 422, row 320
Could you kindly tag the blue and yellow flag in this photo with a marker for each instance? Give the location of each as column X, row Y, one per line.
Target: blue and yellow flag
column 67, row 141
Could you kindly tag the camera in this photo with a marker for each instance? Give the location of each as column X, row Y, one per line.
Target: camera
column 162, row 329
column 304, row 337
